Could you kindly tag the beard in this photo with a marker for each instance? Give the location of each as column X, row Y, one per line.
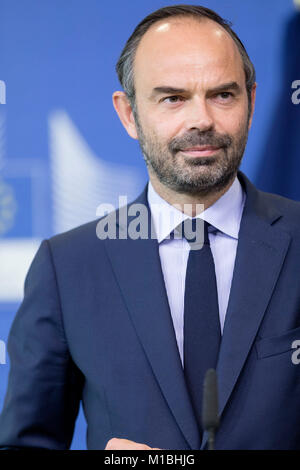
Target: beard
column 193, row 175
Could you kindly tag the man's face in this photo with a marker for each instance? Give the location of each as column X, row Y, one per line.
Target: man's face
column 191, row 112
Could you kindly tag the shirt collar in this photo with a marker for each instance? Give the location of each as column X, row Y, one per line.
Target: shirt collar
column 225, row 214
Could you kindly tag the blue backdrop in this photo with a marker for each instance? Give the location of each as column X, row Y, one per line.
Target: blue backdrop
column 63, row 150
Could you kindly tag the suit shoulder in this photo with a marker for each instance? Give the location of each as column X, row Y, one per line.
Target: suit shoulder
column 83, row 239
column 88, row 232
column 267, row 203
column 77, row 235
column 281, row 202
column 287, row 209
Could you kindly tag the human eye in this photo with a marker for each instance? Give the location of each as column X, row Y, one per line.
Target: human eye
column 172, row 99
column 225, row 96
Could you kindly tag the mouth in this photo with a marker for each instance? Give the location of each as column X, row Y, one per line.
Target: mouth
column 201, row 151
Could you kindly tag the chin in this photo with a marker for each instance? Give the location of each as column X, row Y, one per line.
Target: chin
column 203, row 182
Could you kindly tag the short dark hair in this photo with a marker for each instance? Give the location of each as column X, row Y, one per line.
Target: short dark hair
column 125, row 64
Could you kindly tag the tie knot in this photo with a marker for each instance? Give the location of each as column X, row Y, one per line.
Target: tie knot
column 195, row 231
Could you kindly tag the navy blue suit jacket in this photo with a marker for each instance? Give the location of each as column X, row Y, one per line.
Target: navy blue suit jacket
column 95, row 326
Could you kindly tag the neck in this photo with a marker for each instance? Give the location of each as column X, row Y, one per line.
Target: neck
column 190, row 204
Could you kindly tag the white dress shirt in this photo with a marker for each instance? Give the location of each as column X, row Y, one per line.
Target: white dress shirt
column 225, row 216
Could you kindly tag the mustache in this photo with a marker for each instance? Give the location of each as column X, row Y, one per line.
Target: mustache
column 197, row 138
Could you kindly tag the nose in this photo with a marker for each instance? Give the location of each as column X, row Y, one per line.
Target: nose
column 199, row 116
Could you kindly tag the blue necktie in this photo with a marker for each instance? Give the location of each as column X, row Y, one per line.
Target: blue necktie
column 202, row 332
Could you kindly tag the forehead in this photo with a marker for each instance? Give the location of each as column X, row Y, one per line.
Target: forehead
column 186, row 49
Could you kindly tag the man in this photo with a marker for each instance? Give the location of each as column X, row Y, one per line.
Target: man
column 115, row 322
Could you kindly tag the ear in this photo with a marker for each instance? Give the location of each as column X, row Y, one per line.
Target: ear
column 253, row 96
column 124, row 111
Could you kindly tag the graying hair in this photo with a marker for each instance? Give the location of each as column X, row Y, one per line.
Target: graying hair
column 125, row 64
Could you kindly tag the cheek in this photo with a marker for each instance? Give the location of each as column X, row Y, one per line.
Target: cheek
column 233, row 124
column 163, row 125
column 163, row 129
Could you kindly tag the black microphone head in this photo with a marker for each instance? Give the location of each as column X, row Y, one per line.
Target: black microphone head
column 210, row 417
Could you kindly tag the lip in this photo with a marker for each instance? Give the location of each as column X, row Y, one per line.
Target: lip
column 201, row 151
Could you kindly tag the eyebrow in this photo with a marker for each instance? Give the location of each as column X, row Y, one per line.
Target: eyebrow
column 168, row 90
column 227, row 86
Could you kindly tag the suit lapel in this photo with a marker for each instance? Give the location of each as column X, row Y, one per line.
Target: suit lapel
column 261, row 251
column 137, row 267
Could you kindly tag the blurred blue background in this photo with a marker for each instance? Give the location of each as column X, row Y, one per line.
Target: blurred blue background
column 63, row 150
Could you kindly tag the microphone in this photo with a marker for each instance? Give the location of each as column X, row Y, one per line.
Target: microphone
column 210, row 418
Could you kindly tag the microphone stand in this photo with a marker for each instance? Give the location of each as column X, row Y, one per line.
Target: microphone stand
column 211, row 439
column 210, row 407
